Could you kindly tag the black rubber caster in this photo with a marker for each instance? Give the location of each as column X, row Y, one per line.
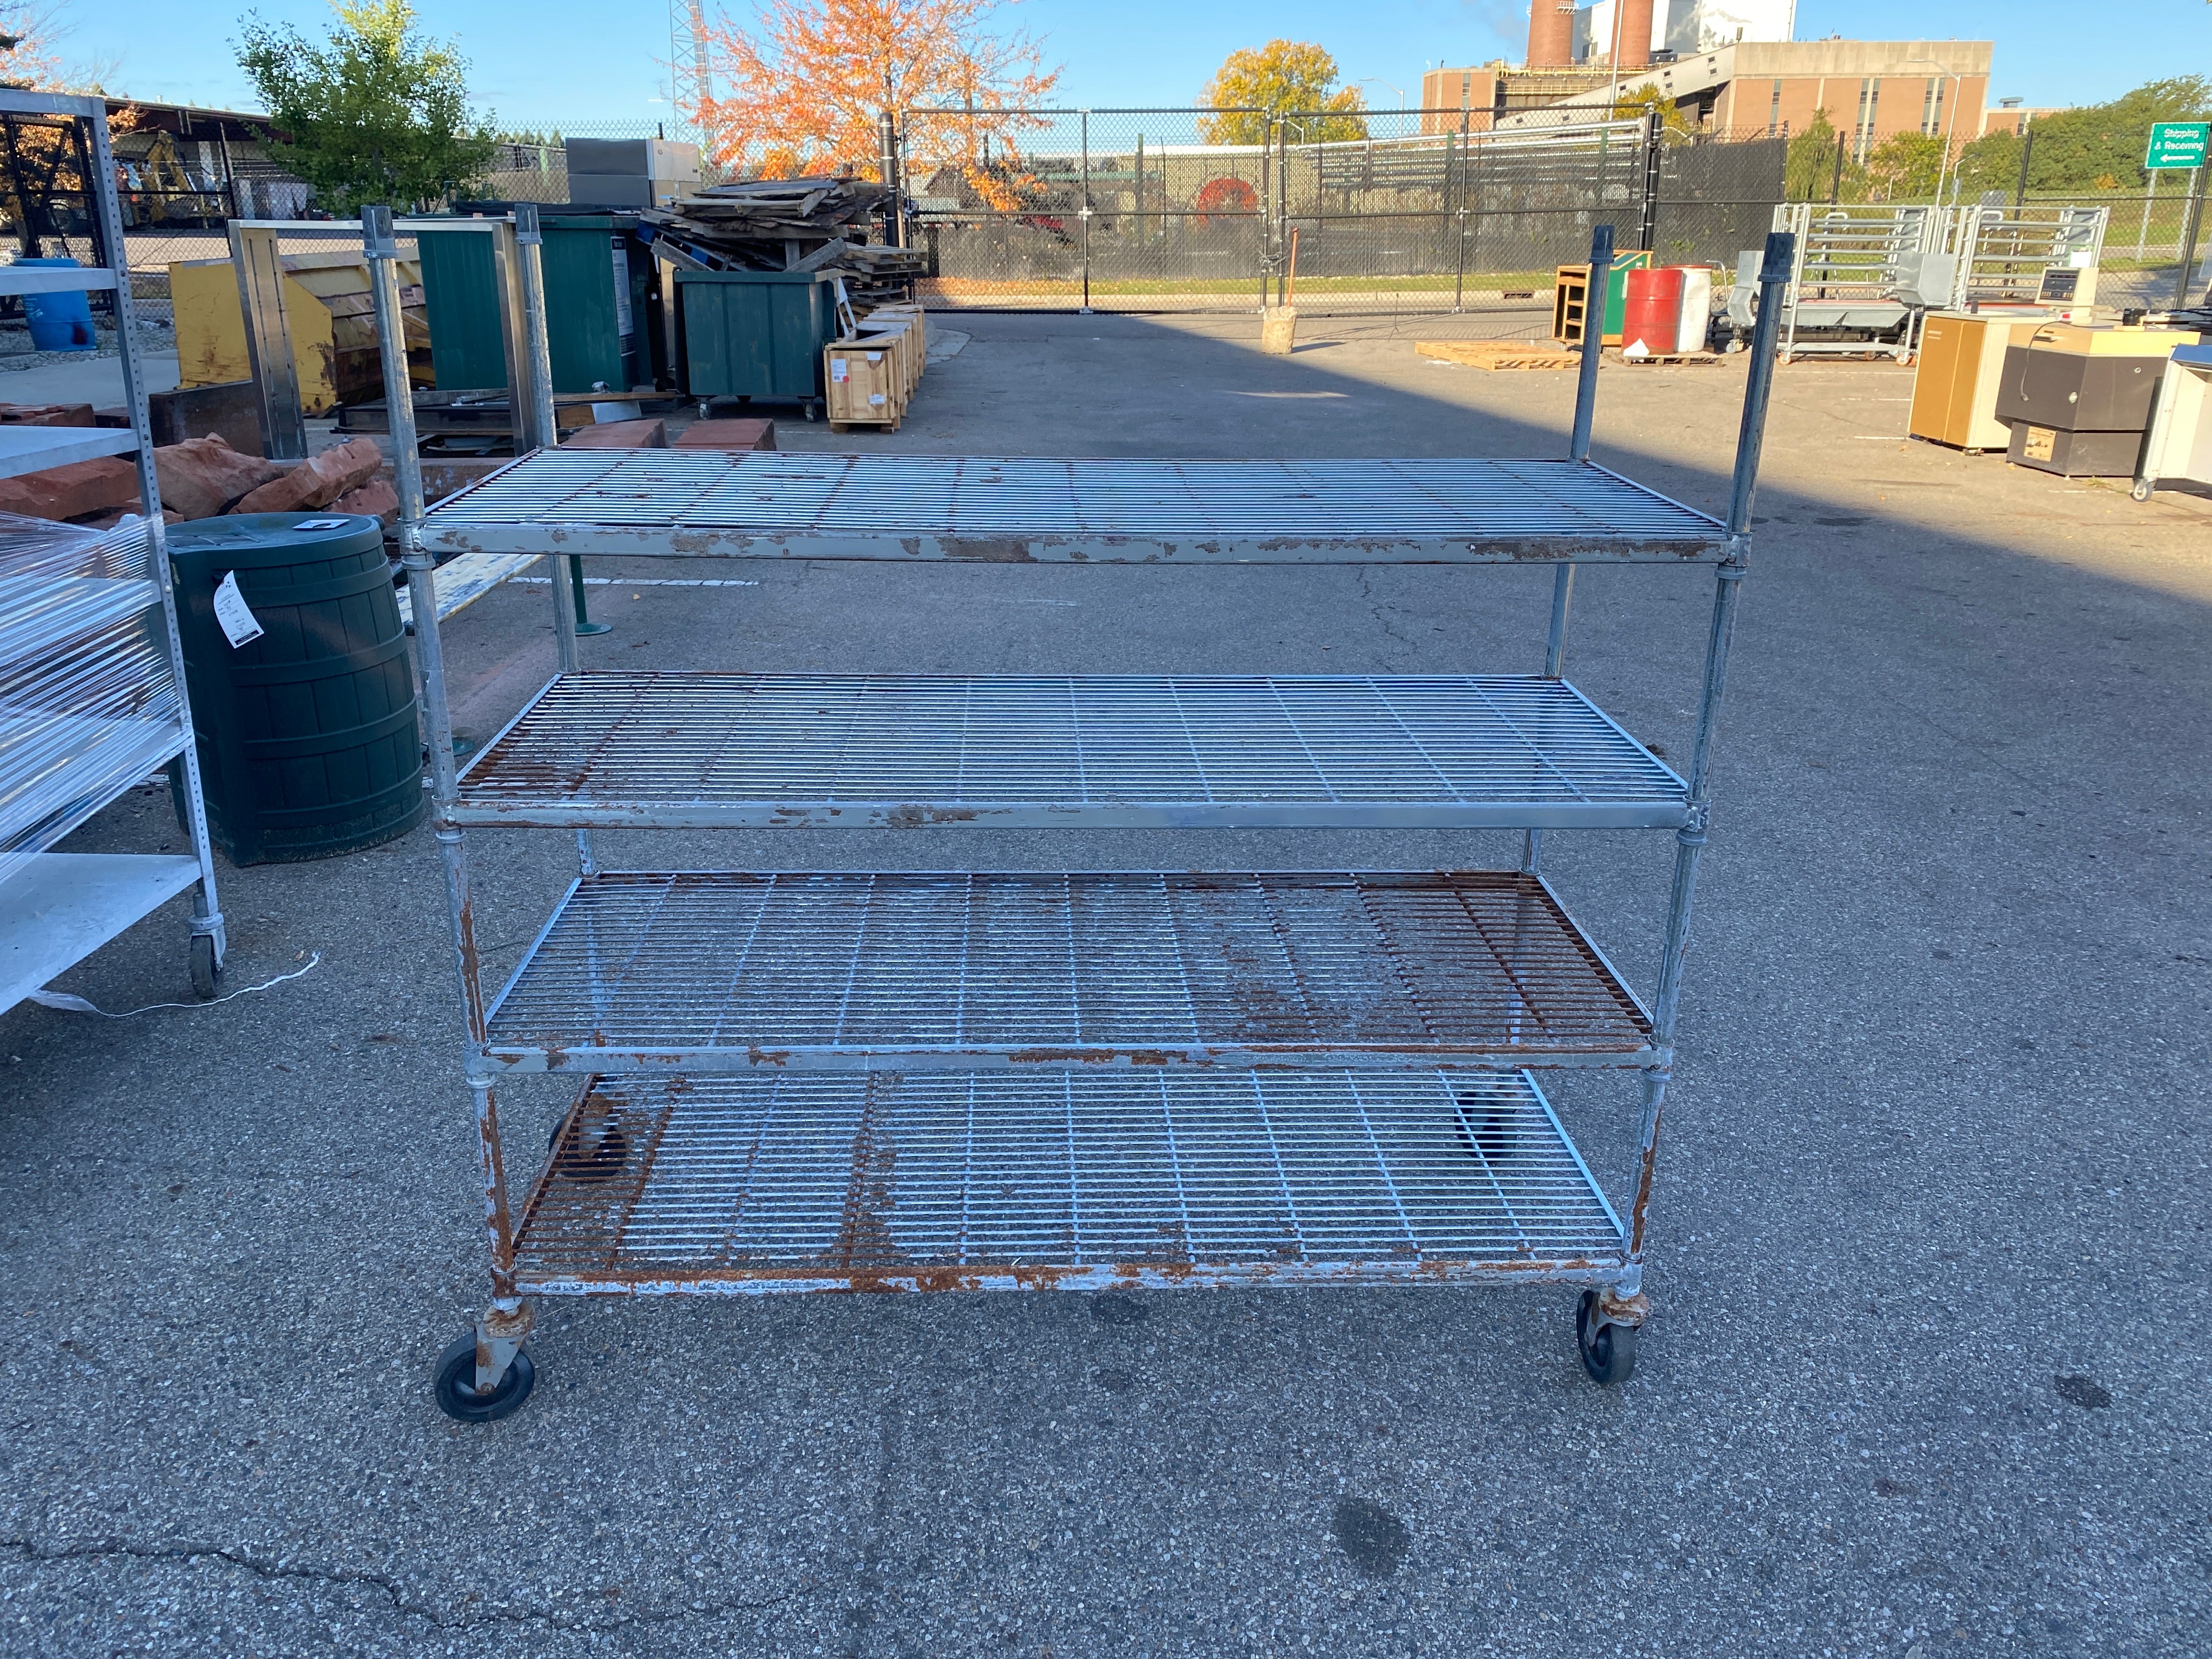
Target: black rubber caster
column 457, row 1385
column 1608, row 1350
column 206, row 975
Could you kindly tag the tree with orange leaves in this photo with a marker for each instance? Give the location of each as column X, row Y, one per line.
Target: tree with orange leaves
column 809, row 86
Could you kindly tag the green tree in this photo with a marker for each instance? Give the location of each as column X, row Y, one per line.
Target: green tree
column 1281, row 76
column 1905, row 166
column 1676, row 124
column 2076, row 148
column 375, row 114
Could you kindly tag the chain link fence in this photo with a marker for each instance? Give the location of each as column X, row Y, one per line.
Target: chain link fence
column 1408, row 210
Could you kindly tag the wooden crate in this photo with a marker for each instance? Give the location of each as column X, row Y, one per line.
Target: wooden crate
column 865, row 383
column 896, row 335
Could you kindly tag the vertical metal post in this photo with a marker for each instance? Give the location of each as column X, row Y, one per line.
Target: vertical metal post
column 1593, row 341
column 2019, row 190
column 539, row 360
column 1267, row 218
column 1774, row 275
column 2189, row 227
column 207, row 913
column 1282, row 203
column 1648, row 222
column 1456, row 209
column 893, row 182
column 260, row 270
column 383, row 249
column 1084, row 212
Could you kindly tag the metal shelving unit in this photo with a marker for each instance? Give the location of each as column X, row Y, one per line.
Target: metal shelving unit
column 91, row 670
column 848, row 1080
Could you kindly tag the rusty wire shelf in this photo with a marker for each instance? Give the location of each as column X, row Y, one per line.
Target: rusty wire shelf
column 724, row 971
column 945, row 1181
column 831, row 1080
column 761, row 751
column 1027, row 509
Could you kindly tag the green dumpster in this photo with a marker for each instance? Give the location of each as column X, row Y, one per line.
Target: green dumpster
column 598, row 288
column 309, row 740
column 748, row 334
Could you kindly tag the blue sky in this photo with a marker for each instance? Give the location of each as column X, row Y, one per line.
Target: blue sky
column 579, row 60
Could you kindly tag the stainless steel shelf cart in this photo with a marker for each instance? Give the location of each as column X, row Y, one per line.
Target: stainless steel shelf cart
column 92, row 672
column 839, row 1080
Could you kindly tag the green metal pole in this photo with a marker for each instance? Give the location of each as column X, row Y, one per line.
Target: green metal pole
column 584, row 623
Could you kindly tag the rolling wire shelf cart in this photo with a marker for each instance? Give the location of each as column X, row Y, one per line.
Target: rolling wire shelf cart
column 833, row 1081
column 92, row 672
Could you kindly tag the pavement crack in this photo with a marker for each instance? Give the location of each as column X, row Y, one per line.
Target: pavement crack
column 1380, row 611
column 279, row 1571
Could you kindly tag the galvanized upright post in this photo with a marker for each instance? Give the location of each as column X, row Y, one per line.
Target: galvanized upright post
column 539, row 362
column 1578, row 448
column 206, row 913
column 893, row 182
column 1456, row 208
column 507, row 1319
column 1773, row 277
column 1084, row 212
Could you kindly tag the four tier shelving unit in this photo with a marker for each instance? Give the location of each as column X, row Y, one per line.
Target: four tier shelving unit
column 961, row 1079
column 92, row 671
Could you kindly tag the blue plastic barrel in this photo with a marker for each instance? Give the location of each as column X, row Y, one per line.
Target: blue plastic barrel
column 59, row 322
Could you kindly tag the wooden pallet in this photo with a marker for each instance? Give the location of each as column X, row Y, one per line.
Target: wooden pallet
column 1499, row 354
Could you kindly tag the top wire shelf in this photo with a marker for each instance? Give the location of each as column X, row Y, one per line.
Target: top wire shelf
column 1025, row 509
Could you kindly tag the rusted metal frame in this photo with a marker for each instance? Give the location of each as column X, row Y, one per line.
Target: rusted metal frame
column 206, row 913
column 1605, row 1276
column 500, row 1327
column 553, row 812
column 1774, row 271
column 729, row 1239
column 694, row 541
column 664, row 1120
column 571, row 1058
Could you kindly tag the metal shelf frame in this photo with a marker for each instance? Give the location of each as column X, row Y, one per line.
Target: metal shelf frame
column 109, row 704
column 840, row 1081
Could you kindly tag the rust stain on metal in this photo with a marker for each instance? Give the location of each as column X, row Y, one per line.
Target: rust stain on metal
column 919, row 816
column 987, row 549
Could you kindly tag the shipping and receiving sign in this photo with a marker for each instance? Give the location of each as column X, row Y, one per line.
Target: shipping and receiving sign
column 2176, row 144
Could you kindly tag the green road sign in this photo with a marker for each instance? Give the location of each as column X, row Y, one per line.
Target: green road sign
column 2176, row 144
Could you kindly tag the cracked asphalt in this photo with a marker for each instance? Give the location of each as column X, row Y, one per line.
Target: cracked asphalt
column 1923, row 1375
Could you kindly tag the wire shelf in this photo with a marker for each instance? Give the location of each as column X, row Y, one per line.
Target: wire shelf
column 775, row 505
column 727, row 971
column 1080, row 1181
column 760, row 751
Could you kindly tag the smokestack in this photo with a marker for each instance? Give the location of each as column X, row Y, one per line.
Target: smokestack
column 1552, row 33
column 1635, row 33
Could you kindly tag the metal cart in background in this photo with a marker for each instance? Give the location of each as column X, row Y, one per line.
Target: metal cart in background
column 92, row 672
column 856, row 1080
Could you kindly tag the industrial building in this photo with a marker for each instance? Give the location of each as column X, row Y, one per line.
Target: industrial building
column 1870, row 89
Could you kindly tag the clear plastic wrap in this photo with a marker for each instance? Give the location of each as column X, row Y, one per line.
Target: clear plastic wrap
column 88, row 704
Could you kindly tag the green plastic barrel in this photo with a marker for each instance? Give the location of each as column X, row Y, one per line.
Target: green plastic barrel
column 308, row 739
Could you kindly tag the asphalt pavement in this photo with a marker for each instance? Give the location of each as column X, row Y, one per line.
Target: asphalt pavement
column 1925, row 1372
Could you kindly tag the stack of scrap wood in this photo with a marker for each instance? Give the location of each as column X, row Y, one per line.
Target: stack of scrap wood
column 788, row 224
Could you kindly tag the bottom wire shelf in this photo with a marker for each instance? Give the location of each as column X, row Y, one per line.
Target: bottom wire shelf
column 942, row 1181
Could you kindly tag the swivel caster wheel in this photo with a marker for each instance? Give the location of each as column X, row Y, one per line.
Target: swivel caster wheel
column 2139, row 490
column 1608, row 1349
column 207, row 973
column 457, row 1384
